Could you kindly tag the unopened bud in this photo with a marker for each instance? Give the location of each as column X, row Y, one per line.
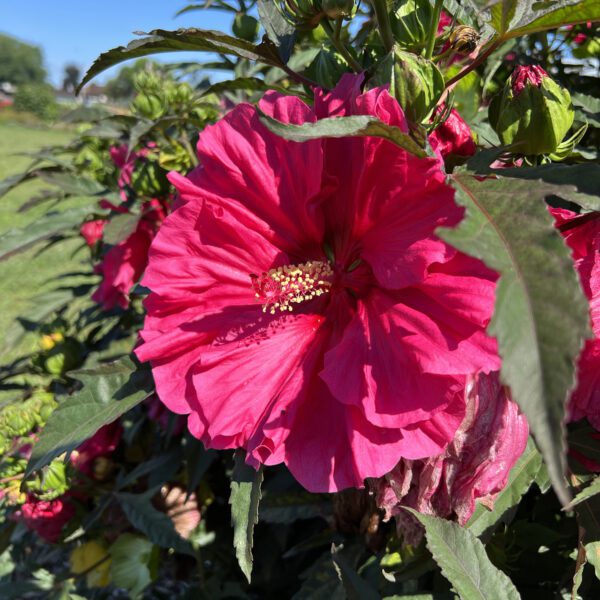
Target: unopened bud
column 335, row 9
column 410, row 23
column 303, row 14
column 533, row 113
column 245, row 27
column 463, row 39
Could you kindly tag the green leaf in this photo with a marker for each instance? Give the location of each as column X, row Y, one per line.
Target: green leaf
column 278, row 30
column 109, row 391
column 513, row 18
column 47, row 226
column 541, row 314
column 203, row 40
column 337, row 127
column 130, row 565
column 120, row 227
column 591, row 490
column 74, row 185
column 464, row 562
column 156, row 525
column 522, row 475
column 577, row 183
column 244, row 499
column 355, row 586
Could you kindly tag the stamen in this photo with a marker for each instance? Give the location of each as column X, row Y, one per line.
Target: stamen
column 280, row 288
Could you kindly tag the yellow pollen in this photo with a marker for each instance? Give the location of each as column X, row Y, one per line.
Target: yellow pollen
column 280, row 288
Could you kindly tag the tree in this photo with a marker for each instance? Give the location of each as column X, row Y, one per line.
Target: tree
column 71, row 78
column 21, row 63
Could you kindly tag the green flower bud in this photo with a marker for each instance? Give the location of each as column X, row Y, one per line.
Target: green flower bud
column 533, row 113
column 64, row 357
column 414, row 81
column 149, row 179
column 463, row 39
column 327, row 68
column 245, row 27
column 303, row 14
column 410, row 23
column 149, row 106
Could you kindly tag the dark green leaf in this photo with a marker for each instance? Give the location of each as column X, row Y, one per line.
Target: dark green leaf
column 244, row 500
column 278, row 30
column 464, row 562
column 156, row 525
column 336, row 127
column 540, row 326
column 577, row 183
column 591, row 490
column 85, row 114
column 198, row 460
column 513, row 18
column 203, row 40
column 355, row 586
column 483, row 521
column 108, row 391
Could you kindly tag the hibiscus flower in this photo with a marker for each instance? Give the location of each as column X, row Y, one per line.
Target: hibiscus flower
column 475, row 466
column 123, row 264
column 453, row 138
column 582, row 234
column 301, row 305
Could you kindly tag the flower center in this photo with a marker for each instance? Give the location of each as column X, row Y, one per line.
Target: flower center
column 282, row 287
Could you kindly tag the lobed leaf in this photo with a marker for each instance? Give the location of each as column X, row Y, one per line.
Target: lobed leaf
column 464, row 562
column 244, row 500
column 108, row 392
column 541, row 314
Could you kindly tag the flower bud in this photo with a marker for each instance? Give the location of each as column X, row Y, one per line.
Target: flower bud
column 149, row 106
column 463, row 39
column 303, row 14
column 533, row 113
column 417, row 85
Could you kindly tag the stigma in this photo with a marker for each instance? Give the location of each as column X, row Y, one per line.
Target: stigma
column 282, row 287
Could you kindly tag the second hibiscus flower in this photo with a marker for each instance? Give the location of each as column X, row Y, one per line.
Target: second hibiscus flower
column 301, row 305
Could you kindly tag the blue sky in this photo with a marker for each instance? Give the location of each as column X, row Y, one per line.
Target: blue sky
column 78, row 30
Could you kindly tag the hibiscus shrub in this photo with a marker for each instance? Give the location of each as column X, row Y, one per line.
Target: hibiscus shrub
column 332, row 328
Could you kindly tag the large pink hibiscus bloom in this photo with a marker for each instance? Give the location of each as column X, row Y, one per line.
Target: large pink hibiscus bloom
column 302, row 307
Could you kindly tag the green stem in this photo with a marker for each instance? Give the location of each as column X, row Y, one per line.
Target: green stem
column 334, row 36
column 383, row 22
column 433, row 27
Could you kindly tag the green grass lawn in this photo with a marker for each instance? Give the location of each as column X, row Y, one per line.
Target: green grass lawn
column 29, row 273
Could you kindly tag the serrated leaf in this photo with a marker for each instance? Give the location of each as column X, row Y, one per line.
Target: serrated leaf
column 540, row 326
column 337, row 127
column 47, row 226
column 464, row 562
column 204, row 40
column 156, row 525
column 591, row 490
column 244, row 500
column 119, row 227
column 522, row 475
column 109, row 391
column 279, row 31
column 514, row 18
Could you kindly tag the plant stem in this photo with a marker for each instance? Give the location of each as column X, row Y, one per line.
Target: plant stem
column 476, row 62
column 433, row 27
column 383, row 22
column 334, row 36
